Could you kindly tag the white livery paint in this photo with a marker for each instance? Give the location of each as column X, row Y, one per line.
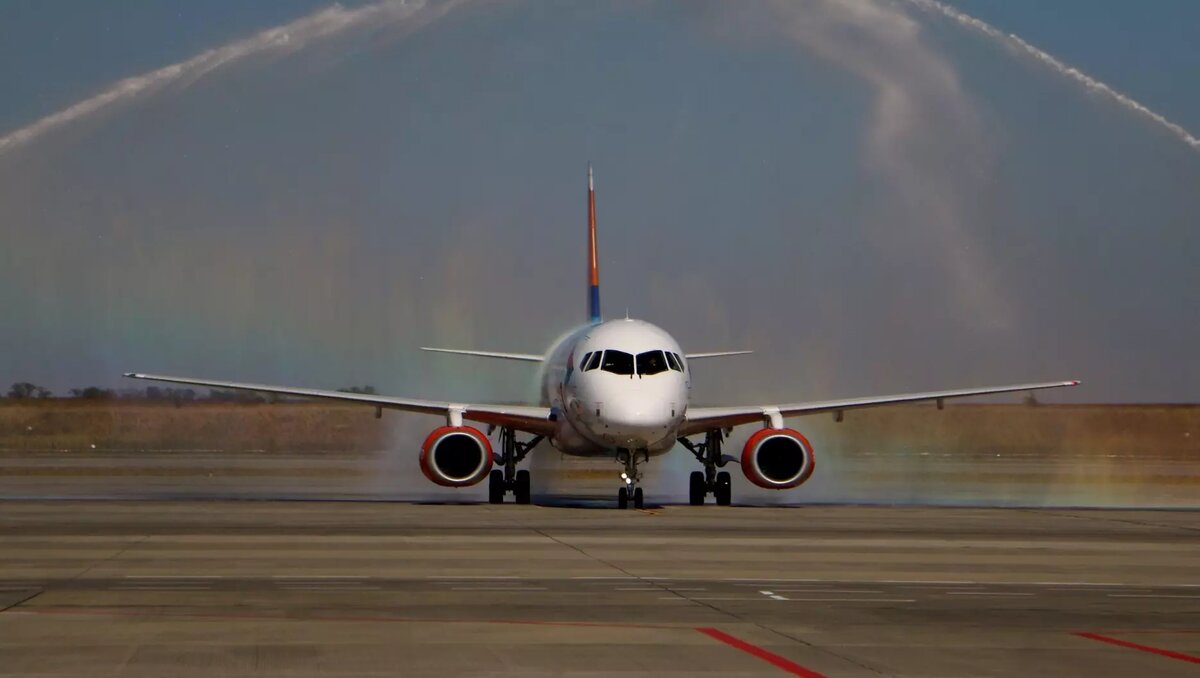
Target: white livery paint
column 619, row 389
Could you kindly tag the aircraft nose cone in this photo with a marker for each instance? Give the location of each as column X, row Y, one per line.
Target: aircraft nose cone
column 636, row 422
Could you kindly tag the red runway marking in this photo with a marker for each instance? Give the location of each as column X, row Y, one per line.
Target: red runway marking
column 784, row 664
column 1138, row 646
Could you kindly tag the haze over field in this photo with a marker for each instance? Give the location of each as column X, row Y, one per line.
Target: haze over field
column 876, row 196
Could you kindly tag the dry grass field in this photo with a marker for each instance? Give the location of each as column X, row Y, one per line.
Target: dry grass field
column 1149, row 431
column 967, row 454
column 78, row 425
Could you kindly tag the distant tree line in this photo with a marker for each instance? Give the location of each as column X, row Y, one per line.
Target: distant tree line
column 24, row 390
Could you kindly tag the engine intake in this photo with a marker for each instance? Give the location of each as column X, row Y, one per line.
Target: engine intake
column 456, row 456
column 777, row 458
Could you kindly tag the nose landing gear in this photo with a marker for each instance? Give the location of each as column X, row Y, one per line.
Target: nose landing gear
column 718, row 483
column 512, row 452
column 631, row 476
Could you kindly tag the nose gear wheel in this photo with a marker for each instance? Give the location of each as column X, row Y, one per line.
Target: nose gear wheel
column 631, row 477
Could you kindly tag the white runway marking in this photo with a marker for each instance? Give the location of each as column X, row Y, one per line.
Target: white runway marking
column 718, row 598
column 163, row 583
column 987, row 593
column 854, row 600
column 172, row 576
column 828, row 591
column 769, row 581
column 318, row 576
column 498, row 588
column 330, row 589
column 1149, row 595
column 177, row 587
column 323, row 585
column 471, row 577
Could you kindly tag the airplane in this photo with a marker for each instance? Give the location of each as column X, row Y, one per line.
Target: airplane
column 617, row 389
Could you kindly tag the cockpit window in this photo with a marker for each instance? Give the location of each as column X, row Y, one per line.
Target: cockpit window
column 679, row 359
column 673, row 362
column 651, row 362
column 617, row 362
column 594, row 362
column 583, row 362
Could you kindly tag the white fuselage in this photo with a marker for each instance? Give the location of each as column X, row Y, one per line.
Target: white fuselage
column 621, row 384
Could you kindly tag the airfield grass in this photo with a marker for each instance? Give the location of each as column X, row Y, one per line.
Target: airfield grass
column 80, row 425
column 1141, row 431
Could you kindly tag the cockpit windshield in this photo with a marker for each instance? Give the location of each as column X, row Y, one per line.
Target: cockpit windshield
column 617, row 362
column 651, row 362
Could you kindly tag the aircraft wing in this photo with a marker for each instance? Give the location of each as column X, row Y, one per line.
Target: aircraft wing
column 526, row 357
column 714, row 354
column 528, row 418
column 706, row 418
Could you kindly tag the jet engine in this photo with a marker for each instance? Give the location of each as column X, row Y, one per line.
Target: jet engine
column 777, row 458
column 456, row 456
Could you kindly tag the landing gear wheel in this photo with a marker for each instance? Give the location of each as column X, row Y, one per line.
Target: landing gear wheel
column 696, row 489
column 521, row 487
column 496, row 487
column 623, row 498
column 637, row 498
column 724, row 489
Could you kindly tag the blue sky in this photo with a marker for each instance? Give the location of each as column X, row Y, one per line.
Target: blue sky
column 310, row 218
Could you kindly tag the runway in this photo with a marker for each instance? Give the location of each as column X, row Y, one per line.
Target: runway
column 149, row 588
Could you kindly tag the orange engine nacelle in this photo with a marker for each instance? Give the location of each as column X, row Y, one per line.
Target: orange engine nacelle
column 777, row 458
column 456, row 456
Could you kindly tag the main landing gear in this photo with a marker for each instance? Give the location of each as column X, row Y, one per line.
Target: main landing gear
column 718, row 483
column 509, row 479
column 631, row 476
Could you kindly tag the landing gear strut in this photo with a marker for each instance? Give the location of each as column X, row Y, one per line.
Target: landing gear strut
column 718, row 483
column 631, row 476
column 509, row 479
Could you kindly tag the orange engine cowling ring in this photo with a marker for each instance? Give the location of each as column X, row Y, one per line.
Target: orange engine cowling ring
column 456, row 456
column 778, row 458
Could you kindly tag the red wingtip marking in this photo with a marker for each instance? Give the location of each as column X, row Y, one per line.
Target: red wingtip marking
column 770, row 657
column 1138, row 646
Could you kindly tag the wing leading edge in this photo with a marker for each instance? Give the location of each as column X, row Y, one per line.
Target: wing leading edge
column 529, row 418
column 707, row 418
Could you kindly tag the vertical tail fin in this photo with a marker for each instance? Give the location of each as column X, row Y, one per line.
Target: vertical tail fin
column 593, row 267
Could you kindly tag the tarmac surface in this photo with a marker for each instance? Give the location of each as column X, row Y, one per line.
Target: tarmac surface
column 151, row 588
